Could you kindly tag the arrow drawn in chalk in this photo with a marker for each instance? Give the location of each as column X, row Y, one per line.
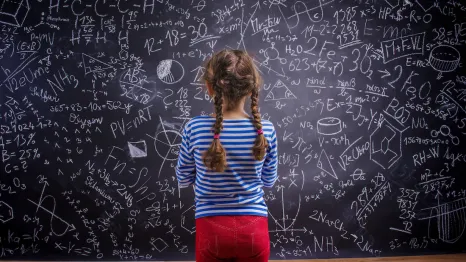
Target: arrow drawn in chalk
column 385, row 72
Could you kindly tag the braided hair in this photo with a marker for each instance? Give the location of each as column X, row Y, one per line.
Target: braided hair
column 233, row 76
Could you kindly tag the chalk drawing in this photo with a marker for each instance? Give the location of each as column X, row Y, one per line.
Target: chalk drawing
column 94, row 65
column 158, row 244
column 137, row 149
column 6, row 212
column 325, row 165
column 445, row 131
column 51, row 211
column 279, row 91
column 444, row 58
column 187, row 220
column 167, row 142
column 328, row 126
column 385, row 143
column 451, row 220
column 271, row 53
column 14, row 12
column 170, row 71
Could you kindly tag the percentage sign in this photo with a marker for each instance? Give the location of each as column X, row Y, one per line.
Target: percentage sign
column 36, row 153
column 31, row 139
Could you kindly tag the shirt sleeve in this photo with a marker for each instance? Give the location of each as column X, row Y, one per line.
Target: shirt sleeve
column 270, row 168
column 186, row 166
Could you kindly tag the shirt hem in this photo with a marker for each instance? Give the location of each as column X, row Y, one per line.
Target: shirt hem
column 239, row 214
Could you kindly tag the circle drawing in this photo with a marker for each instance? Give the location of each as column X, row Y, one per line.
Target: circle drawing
column 271, row 53
column 444, row 58
column 445, row 131
column 170, row 71
column 329, row 126
column 167, row 144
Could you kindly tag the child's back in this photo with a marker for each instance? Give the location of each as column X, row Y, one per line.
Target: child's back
column 238, row 189
column 229, row 157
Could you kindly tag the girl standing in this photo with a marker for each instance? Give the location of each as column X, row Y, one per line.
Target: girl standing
column 229, row 157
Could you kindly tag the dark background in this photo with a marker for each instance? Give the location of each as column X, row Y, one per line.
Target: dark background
column 366, row 96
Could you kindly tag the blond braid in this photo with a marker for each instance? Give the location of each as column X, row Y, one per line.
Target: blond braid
column 260, row 144
column 233, row 75
column 215, row 156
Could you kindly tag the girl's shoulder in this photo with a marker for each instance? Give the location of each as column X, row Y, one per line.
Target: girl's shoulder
column 266, row 122
column 267, row 125
column 201, row 121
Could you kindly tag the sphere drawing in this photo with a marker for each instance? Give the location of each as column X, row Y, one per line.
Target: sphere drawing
column 170, row 71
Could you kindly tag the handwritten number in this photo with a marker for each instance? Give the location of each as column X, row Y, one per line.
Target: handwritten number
column 355, row 62
column 400, row 68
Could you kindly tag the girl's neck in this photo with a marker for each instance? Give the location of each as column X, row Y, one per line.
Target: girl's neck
column 234, row 114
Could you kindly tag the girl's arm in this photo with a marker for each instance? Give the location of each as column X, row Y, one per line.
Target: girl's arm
column 270, row 168
column 186, row 166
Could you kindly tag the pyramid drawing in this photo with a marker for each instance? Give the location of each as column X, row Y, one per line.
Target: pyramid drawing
column 137, row 149
column 324, row 164
column 279, row 92
column 93, row 65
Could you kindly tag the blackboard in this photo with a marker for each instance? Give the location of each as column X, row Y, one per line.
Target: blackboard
column 368, row 99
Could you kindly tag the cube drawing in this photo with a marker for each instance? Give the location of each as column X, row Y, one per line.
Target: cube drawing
column 14, row 12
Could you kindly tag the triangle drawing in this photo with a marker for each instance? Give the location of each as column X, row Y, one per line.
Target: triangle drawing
column 92, row 65
column 279, row 92
column 324, row 164
column 137, row 149
column 199, row 73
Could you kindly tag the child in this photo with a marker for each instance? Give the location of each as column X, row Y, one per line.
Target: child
column 229, row 157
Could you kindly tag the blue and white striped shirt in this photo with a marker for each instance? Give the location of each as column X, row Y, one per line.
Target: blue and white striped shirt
column 237, row 190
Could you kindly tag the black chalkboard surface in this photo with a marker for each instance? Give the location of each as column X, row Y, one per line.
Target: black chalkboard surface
column 368, row 99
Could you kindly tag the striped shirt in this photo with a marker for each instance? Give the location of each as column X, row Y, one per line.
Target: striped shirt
column 237, row 190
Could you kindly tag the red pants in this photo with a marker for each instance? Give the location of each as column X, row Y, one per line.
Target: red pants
column 232, row 238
